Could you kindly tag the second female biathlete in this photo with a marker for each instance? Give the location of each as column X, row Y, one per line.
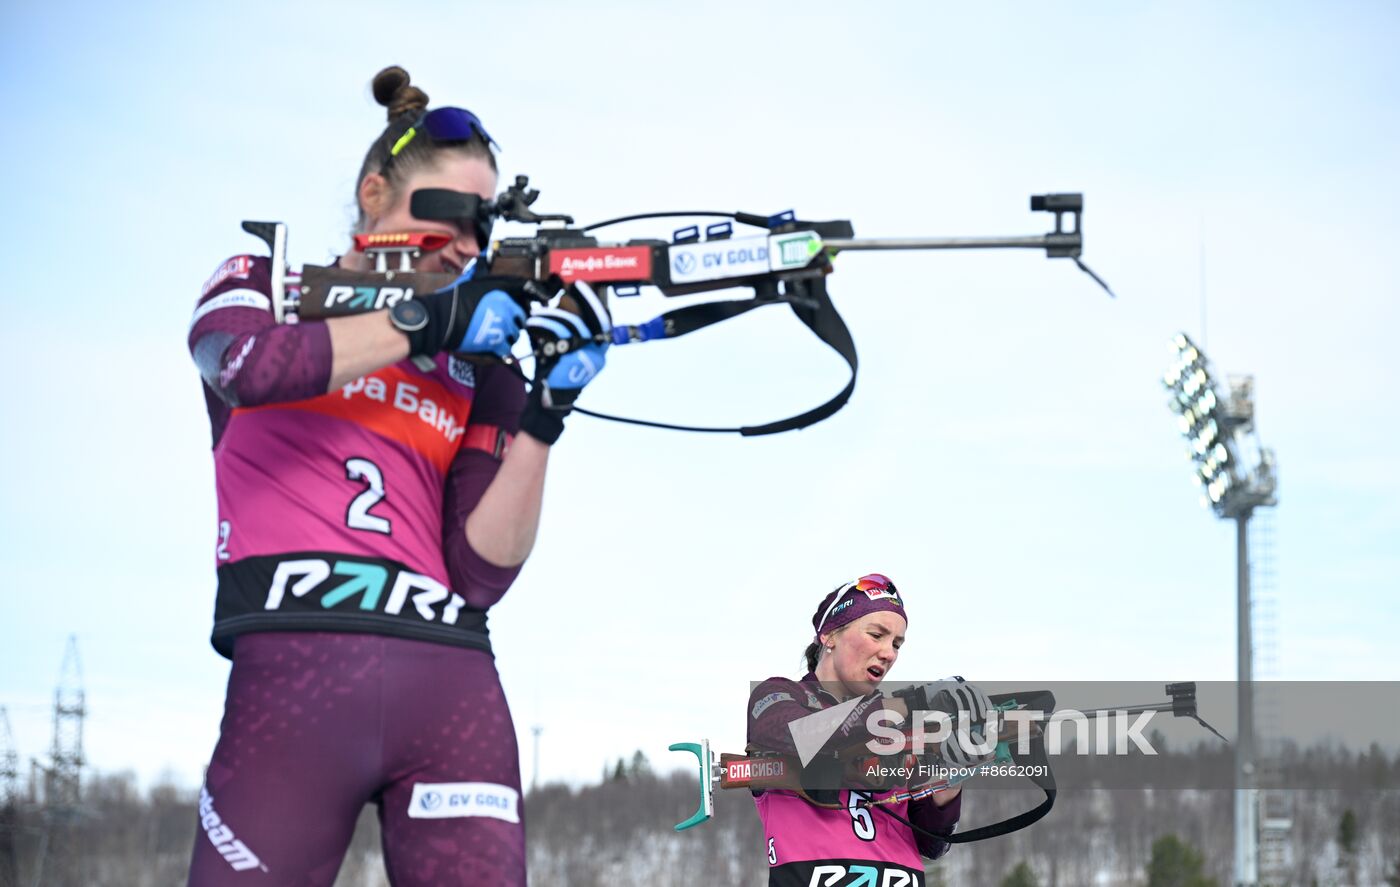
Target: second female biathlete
column 827, row 835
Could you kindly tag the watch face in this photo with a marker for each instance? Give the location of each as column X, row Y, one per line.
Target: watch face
column 409, row 315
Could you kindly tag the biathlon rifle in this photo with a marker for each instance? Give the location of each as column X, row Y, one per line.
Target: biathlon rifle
column 765, row 771
column 786, row 263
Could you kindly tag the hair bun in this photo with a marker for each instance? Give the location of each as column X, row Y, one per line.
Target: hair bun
column 393, row 90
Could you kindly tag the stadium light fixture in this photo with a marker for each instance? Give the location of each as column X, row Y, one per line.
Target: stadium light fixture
column 1236, row 476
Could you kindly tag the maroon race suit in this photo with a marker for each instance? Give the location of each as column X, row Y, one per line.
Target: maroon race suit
column 807, row 844
column 352, row 606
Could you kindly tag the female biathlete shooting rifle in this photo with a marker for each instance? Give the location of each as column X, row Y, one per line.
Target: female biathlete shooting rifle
column 370, row 512
column 859, row 629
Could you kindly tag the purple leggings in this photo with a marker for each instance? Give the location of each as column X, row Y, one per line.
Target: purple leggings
column 316, row 725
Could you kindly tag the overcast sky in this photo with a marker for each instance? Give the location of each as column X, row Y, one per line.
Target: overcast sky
column 1007, row 457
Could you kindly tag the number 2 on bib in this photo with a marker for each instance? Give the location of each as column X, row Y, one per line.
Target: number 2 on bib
column 357, row 516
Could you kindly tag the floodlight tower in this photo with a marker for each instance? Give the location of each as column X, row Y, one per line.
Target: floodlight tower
column 1236, row 476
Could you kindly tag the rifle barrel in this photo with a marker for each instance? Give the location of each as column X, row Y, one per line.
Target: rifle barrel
column 1039, row 241
column 1127, row 710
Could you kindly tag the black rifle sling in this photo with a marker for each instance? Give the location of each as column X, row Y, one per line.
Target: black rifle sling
column 812, row 305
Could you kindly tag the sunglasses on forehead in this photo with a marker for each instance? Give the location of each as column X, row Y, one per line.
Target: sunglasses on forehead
column 873, row 582
column 444, row 125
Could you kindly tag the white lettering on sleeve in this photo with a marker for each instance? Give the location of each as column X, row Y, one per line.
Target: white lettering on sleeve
column 243, row 298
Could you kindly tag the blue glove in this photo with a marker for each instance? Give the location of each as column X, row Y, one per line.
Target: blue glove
column 469, row 316
column 573, row 371
column 496, row 322
column 571, row 349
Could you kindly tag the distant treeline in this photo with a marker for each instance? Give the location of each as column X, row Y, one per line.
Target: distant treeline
column 619, row 833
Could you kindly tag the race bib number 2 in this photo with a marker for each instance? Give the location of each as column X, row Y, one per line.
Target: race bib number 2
column 357, row 515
